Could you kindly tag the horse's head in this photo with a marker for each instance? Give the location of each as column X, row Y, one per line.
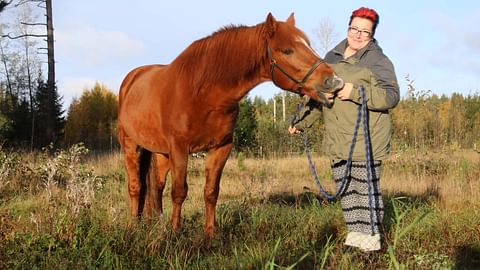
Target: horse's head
column 294, row 65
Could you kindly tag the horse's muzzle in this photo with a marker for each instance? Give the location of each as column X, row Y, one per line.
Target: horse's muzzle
column 331, row 85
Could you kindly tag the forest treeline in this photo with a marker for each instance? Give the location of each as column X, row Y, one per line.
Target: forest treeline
column 422, row 120
column 32, row 113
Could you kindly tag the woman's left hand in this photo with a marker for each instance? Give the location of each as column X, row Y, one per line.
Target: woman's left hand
column 344, row 93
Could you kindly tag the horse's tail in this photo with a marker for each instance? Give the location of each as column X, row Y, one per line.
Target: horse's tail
column 149, row 195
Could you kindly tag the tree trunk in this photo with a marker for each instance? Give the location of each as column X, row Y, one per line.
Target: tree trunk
column 50, row 47
column 7, row 71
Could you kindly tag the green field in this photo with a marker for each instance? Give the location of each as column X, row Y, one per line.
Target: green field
column 69, row 211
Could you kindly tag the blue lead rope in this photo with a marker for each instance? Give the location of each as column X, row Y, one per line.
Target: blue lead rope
column 361, row 115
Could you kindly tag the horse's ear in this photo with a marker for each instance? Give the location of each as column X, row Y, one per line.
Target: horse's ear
column 291, row 19
column 270, row 25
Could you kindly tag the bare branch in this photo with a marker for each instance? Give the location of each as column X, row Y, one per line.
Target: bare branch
column 22, row 2
column 33, row 24
column 22, row 36
column 325, row 34
column 40, row 3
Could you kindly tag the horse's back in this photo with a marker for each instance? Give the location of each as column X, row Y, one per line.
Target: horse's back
column 134, row 76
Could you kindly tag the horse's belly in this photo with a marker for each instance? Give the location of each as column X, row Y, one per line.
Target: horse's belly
column 145, row 133
column 205, row 143
column 212, row 134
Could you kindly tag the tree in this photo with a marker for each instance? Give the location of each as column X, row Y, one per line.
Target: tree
column 31, row 65
column 244, row 133
column 92, row 119
column 325, row 34
column 5, row 122
column 19, row 69
column 48, row 109
column 47, row 5
column 21, row 123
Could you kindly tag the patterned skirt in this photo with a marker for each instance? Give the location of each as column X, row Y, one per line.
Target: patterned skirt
column 355, row 198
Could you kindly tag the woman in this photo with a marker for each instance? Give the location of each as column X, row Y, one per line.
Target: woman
column 359, row 61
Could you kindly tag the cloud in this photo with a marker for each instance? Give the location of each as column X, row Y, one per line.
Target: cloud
column 71, row 88
column 89, row 47
column 85, row 55
column 472, row 41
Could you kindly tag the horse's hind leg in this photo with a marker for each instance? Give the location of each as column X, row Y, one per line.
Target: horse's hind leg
column 132, row 167
column 157, row 179
column 213, row 170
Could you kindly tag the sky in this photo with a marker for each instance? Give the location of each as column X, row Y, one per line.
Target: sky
column 435, row 43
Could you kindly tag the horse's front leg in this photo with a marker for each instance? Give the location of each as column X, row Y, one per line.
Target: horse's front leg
column 178, row 166
column 213, row 171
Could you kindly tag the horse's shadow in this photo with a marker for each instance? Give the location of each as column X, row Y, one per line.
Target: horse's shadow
column 303, row 199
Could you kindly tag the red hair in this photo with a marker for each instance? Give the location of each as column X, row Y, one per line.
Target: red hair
column 366, row 13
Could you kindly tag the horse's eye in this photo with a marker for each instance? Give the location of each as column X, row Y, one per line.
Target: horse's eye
column 287, row 51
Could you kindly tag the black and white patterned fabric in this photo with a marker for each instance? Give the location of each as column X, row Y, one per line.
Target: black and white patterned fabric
column 354, row 199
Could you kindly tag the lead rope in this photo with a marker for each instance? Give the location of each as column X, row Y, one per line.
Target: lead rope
column 361, row 115
column 368, row 153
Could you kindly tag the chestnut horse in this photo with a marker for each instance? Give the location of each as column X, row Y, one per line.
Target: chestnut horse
column 191, row 105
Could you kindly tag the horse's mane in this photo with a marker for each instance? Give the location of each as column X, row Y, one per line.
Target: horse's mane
column 228, row 55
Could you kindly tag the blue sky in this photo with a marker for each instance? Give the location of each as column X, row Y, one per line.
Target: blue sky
column 436, row 43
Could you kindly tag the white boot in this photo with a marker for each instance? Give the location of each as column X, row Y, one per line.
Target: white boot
column 363, row 241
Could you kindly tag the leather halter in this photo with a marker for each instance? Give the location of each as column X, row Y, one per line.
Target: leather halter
column 300, row 84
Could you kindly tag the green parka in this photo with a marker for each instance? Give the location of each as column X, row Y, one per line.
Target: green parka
column 372, row 69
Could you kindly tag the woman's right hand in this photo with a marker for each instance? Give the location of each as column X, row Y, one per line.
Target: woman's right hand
column 293, row 130
column 330, row 96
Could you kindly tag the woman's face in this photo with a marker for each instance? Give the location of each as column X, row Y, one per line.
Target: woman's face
column 359, row 33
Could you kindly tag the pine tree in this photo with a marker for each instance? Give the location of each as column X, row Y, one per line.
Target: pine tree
column 5, row 120
column 49, row 115
column 21, row 126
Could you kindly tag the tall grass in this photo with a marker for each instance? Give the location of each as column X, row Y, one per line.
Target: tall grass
column 68, row 210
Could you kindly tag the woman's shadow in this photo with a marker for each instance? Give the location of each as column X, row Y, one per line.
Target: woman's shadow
column 466, row 256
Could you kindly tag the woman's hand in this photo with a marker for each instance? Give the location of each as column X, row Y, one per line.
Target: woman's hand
column 344, row 93
column 330, row 96
column 293, row 130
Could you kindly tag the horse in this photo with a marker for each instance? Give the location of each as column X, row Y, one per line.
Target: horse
column 167, row 112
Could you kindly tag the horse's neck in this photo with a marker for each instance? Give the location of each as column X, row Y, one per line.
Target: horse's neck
column 231, row 60
column 247, row 70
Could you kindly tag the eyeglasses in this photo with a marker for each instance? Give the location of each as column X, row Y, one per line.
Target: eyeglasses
column 354, row 30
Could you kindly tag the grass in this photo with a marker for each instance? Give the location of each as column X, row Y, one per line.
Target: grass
column 69, row 212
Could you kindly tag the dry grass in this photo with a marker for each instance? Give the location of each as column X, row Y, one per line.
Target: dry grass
column 452, row 181
column 43, row 226
column 106, row 164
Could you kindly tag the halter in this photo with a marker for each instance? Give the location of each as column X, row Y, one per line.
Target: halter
column 300, row 84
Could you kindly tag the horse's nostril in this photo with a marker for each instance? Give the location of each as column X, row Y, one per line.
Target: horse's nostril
column 338, row 84
column 327, row 84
